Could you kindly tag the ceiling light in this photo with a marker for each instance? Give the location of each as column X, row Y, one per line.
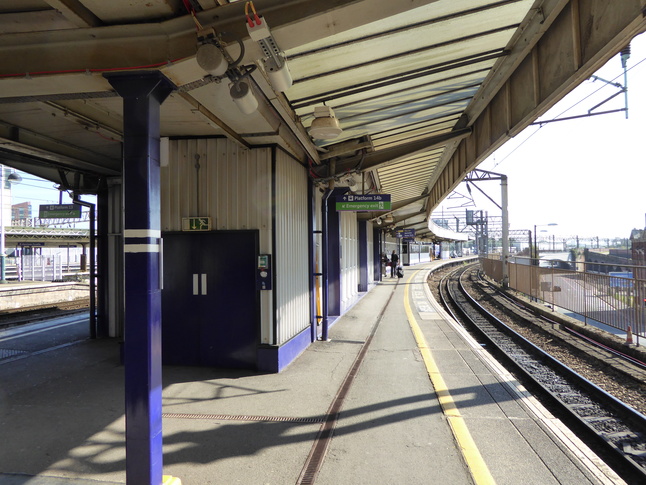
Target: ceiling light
column 211, row 59
column 14, row 178
column 325, row 125
column 279, row 75
column 243, row 97
column 274, row 59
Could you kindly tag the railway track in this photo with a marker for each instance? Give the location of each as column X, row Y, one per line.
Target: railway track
column 616, row 431
column 24, row 315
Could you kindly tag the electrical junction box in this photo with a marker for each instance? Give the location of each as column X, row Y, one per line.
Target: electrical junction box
column 259, row 32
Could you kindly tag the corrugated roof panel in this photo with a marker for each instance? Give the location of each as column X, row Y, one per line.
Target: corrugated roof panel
column 415, row 181
column 408, row 178
column 425, row 159
column 404, row 135
column 424, row 95
column 455, row 78
column 445, row 18
column 404, row 62
column 404, row 78
column 406, row 115
column 394, row 168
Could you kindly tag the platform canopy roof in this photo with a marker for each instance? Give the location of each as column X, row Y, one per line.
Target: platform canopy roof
column 423, row 90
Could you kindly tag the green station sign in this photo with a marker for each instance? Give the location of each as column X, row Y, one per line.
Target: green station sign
column 59, row 211
column 360, row 203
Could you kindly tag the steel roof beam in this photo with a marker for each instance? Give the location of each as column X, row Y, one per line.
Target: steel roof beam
column 385, row 157
column 76, row 12
column 293, row 24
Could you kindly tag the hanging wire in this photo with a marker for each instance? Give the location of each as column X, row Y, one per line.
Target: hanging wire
column 562, row 113
column 256, row 18
column 191, row 10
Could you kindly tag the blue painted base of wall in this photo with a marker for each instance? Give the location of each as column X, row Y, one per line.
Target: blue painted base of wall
column 274, row 359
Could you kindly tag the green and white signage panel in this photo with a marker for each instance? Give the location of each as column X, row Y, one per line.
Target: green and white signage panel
column 59, row 211
column 359, row 203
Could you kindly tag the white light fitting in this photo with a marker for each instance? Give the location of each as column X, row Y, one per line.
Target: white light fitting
column 243, row 97
column 325, row 125
column 274, row 61
column 211, row 59
column 279, row 75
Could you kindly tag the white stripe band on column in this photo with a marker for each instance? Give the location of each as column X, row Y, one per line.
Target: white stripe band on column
column 141, row 248
column 142, row 233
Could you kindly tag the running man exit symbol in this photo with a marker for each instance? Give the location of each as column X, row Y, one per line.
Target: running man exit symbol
column 199, row 224
column 196, row 224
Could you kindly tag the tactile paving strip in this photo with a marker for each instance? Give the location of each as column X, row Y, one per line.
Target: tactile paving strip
column 8, row 353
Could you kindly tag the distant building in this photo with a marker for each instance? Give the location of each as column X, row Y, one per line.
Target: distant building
column 638, row 245
column 21, row 212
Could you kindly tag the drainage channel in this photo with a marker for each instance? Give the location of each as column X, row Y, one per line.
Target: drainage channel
column 242, row 417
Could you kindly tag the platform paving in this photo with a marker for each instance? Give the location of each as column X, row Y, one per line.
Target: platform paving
column 62, row 412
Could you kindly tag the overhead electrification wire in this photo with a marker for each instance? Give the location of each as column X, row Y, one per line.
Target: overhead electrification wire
column 562, row 113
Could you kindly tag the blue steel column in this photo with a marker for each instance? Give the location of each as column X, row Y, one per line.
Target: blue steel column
column 363, row 255
column 142, row 93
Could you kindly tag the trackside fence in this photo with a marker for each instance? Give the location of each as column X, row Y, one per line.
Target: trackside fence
column 609, row 295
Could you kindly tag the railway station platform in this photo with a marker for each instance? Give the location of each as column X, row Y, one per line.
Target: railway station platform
column 403, row 393
column 20, row 294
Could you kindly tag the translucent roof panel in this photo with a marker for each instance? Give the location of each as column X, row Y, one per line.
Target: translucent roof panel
column 434, row 13
column 438, row 59
column 445, row 79
column 404, row 79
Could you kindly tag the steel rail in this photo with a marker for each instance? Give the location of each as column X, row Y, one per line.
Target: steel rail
column 589, row 340
column 598, row 418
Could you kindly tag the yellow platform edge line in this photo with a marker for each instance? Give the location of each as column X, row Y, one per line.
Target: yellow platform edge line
column 169, row 480
column 476, row 464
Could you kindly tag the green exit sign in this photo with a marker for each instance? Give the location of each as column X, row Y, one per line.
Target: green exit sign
column 196, row 224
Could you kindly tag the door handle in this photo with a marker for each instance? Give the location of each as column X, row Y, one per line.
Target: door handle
column 199, row 284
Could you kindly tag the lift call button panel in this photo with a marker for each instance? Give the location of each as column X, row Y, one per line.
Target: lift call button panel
column 263, row 272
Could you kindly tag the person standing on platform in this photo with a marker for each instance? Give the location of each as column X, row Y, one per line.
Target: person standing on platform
column 394, row 259
column 384, row 264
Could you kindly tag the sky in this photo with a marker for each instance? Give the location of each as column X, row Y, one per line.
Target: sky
column 588, row 175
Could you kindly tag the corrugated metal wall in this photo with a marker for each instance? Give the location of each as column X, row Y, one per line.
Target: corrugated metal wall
column 349, row 259
column 217, row 178
column 214, row 177
column 292, row 248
